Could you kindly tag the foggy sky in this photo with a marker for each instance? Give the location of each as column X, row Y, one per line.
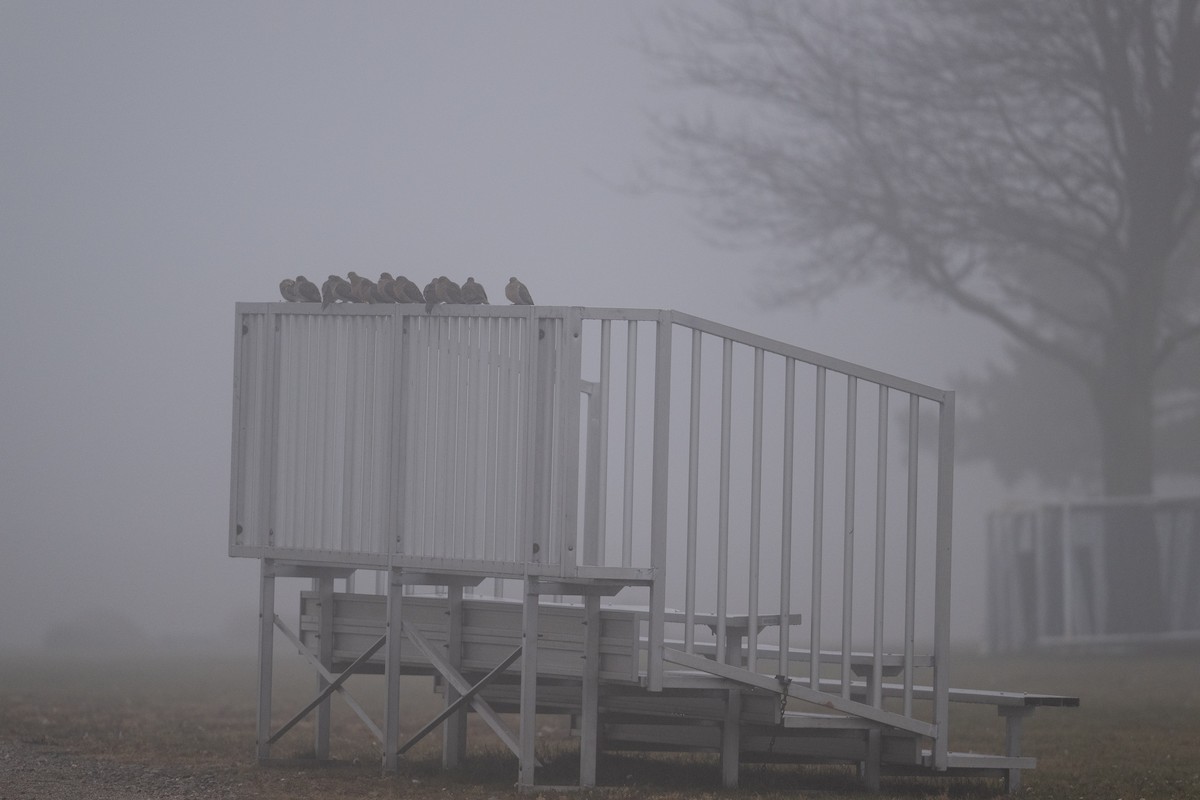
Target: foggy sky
column 160, row 162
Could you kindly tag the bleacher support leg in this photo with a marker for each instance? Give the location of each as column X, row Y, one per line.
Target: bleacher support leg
column 391, row 724
column 874, row 763
column 731, row 739
column 528, row 734
column 266, row 654
column 590, row 702
column 454, row 733
column 324, row 588
column 1014, row 718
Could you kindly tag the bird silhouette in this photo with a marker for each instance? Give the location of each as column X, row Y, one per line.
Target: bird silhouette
column 307, row 290
column 287, row 288
column 451, row 291
column 405, row 291
column 474, row 293
column 362, row 289
column 383, row 287
column 432, row 295
column 335, row 289
column 517, row 294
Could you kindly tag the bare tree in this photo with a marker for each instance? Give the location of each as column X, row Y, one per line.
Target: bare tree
column 1035, row 162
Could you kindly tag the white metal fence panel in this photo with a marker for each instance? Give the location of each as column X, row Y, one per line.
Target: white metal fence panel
column 367, row 434
column 1048, row 571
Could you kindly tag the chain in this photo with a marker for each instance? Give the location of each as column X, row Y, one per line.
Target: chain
column 784, row 682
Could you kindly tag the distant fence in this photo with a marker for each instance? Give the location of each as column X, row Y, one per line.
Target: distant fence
column 1048, row 568
column 729, row 473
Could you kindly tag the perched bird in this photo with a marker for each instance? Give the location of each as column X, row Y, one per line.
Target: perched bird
column 335, row 289
column 384, row 287
column 307, row 290
column 405, row 291
column 451, row 291
column 432, row 295
column 287, row 288
column 362, row 289
column 473, row 293
column 517, row 294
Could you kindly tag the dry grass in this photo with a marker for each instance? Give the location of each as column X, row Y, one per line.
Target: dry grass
column 1136, row 735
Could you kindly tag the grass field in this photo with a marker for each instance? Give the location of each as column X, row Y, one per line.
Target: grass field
column 191, row 720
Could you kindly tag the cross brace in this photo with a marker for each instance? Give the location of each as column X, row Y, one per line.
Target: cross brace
column 462, row 699
column 463, row 686
column 330, row 677
column 333, row 686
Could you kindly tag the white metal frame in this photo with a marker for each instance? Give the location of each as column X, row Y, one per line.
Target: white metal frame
column 456, row 444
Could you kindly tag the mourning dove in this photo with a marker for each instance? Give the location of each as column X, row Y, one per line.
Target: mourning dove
column 405, row 291
column 335, row 289
column 432, row 295
column 307, row 290
column 287, row 288
column 362, row 289
column 473, row 293
column 384, row 287
column 517, row 294
column 451, row 292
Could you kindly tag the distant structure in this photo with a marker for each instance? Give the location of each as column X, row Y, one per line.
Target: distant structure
column 1047, row 568
column 686, row 536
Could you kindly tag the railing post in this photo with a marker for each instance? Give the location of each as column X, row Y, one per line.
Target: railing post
column 848, row 532
column 689, row 592
column 591, row 476
column 818, row 534
column 658, row 500
column 602, row 414
column 880, row 547
column 941, row 620
column 785, row 534
column 566, row 442
column 723, row 495
column 1068, row 577
column 630, row 443
column 910, row 553
column 755, row 513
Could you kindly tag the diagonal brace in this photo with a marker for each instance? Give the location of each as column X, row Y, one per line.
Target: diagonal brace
column 330, row 689
column 455, row 679
column 463, row 698
column 329, row 676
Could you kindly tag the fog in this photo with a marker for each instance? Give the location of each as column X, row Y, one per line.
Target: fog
column 161, row 162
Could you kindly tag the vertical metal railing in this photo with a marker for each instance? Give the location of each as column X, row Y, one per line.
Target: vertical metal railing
column 738, row 406
column 848, row 534
column 630, row 442
column 689, row 601
column 785, row 535
column 818, row 533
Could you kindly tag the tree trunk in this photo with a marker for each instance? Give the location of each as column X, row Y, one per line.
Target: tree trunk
column 1124, row 399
